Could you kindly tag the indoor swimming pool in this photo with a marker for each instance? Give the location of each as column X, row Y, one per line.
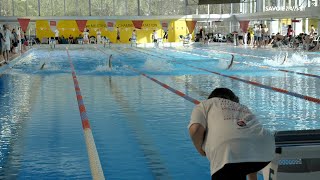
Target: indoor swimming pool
column 140, row 127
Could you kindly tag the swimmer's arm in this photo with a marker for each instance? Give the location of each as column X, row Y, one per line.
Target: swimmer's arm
column 197, row 132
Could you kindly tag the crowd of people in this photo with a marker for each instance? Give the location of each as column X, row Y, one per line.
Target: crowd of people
column 97, row 38
column 12, row 41
column 258, row 36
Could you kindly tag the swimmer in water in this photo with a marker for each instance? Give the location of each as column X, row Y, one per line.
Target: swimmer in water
column 42, row 66
column 110, row 64
column 230, row 65
column 285, row 58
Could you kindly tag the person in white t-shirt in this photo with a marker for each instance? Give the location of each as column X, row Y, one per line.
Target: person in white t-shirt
column 230, row 136
column 7, row 43
column 155, row 38
column 86, row 36
column 56, row 35
column 99, row 37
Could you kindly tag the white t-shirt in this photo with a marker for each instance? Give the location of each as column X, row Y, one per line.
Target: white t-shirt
column 7, row 36
column 86, row 35
column 133, row 36
column 56, row 33
column 257, row 32
column 155, row 35
column 233, row 134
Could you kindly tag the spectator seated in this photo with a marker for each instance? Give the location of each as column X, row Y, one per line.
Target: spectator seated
column 92, row 40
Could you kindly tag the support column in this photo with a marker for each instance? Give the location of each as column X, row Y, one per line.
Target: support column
column 298, row 27
column 259, row 6
column 39, row 7
column 12, row 8
column 77, row 9
column 306, row 26
column 274, row 27
column 318, row 26
column 186, row 7
column 89, row 7
column 138, row 7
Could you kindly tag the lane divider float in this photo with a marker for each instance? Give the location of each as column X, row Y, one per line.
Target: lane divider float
column 95, row 165
column 177, row 92
column 264, row 67
column 308, row 98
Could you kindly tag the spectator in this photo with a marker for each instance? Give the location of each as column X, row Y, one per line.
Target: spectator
column 230, row 136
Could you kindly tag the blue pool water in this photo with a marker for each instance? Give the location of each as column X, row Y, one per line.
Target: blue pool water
column 140, row 128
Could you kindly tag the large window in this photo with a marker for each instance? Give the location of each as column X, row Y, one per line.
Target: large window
column 71, row 9
column 6, row 8
column 102, row 7
column 32, row 7
column 19, row 7
column 121, row 7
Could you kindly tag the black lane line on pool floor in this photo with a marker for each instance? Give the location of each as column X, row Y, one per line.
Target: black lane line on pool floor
column 153, row 157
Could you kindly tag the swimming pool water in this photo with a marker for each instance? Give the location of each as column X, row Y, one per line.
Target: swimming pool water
column 140, row 128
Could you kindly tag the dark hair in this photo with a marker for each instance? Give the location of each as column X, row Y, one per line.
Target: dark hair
column 224, row 93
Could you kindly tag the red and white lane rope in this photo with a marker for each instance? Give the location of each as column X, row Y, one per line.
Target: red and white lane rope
column 284, row 91
column 177, row 92
column 95, row 165
column 264, row 67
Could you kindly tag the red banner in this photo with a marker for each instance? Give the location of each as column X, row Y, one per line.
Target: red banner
column 24, row 24
column 191, row 25
column 244, row 25
column 81, row 24
column 137, row 24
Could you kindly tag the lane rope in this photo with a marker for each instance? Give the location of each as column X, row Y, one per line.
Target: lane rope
column 177, row 92
column 95, row 165
column 264, row 67
column 308, row 98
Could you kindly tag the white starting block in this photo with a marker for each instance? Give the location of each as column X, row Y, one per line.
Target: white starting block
column 298, row 156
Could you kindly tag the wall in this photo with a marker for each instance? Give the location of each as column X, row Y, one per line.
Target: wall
column 69, row 27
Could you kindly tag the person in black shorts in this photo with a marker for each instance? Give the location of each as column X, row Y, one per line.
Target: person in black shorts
column 165, row 36
column 230, row 136
column 118, row 34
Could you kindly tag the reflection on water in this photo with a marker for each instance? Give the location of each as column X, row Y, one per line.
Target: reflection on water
column 139, row 127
